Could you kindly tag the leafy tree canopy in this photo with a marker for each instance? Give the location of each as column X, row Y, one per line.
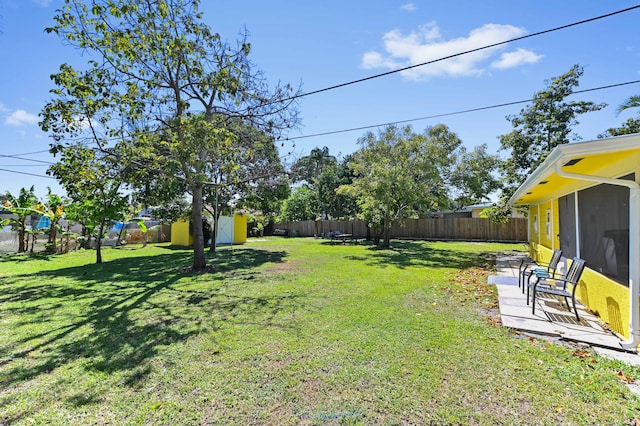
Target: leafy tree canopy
column 630, row 126
column 548, row 121
column 542, row 125
column 398, row 171
column 165, row 80
column 301, row 205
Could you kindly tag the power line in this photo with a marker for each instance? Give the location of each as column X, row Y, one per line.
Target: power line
column 33, row 152
column 353, row 129
column 337, row 86
column 350, row 129
column 21, row 165
column 25, row 173
column 562, row 27
column 25, row 159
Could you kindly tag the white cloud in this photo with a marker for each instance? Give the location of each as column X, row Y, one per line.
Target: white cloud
column 427, row 44
column 515, row 58
column 43, row 3
column 20, row 118
column 375, row 60
column 3, row 108
column 409, row 7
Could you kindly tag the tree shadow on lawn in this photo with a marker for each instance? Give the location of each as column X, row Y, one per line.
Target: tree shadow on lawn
column 403, row 254
column 117, row 315
column 25, row 257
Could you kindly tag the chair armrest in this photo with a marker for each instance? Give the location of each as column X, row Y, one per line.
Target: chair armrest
column 555, row 281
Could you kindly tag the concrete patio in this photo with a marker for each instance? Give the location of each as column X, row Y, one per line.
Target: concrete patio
column 552, row 320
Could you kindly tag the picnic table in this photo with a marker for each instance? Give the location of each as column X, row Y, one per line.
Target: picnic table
column 342, row 237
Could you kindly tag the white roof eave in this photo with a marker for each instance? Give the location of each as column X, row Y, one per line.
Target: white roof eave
column 565, row 152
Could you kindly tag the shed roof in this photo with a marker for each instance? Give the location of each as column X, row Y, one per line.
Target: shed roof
column 603, row 157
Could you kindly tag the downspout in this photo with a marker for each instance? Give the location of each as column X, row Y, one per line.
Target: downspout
column 634, row 248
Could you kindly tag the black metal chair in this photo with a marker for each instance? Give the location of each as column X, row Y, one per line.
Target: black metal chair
column 528, row 268
column 560, row 286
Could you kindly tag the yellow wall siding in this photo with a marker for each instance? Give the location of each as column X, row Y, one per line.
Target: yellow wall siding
column 607, row 299
column 540, row 253
column 239, row 228
column 546, row 224
column 180, row 235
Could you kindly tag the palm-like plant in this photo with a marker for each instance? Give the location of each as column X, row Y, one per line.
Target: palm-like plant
column 52, row 209
column 23, row 206
column 631, row 102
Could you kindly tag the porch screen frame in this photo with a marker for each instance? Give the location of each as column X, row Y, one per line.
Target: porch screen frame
column 603, row 212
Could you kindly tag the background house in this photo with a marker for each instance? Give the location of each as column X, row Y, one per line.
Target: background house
column 472, row 211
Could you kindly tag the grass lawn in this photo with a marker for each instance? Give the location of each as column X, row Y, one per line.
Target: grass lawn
column 285, row 331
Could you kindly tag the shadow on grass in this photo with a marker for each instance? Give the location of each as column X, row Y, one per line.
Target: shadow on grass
column 25, row 257
column 116, row 316
column 403, row 254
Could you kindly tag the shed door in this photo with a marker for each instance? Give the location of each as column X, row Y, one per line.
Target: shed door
column 225, row 230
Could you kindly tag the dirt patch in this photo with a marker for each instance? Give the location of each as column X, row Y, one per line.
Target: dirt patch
column 285, row 267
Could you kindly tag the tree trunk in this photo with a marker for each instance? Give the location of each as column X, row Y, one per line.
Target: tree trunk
column 21, row 236
column 99, row 243
column 386, row 231
column 199, row 260
column 51, row 242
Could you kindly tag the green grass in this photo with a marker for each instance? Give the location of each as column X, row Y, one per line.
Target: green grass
column 287, row 331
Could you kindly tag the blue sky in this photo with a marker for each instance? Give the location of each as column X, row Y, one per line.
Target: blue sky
column 321, row 44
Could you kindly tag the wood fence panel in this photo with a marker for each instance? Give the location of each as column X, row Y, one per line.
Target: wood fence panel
column 462, row 229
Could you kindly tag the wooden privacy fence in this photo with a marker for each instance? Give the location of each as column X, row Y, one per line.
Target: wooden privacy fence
column 463, row 229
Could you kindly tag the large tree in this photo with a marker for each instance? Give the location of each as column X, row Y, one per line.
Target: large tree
column 167, row 64
column 548, row 121
column 249, row 168
column 309, row 168
column 473, row 177
column 334, row 204
column 398, row 171
column 301, row 205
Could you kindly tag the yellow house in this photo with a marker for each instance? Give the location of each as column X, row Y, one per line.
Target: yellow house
column 585, row 200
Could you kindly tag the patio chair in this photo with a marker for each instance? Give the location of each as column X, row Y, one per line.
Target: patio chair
column 560, row 286
column 528, row 268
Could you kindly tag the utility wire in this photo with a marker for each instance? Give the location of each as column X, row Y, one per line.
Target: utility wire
column 25, row 173
column 25, row 159
column 562, row 27
column 33, row 152
column 337, row 86
column 447, row 114
column 21, row 165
